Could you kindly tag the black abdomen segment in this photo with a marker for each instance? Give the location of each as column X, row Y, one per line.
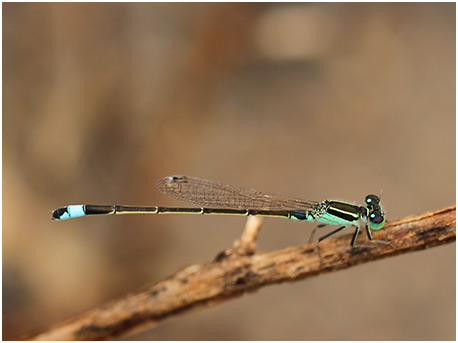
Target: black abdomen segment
column 74, row 211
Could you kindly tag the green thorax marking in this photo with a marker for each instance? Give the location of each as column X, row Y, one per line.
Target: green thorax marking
column 338, row 213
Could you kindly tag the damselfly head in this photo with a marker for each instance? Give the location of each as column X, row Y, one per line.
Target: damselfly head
column 376, row 214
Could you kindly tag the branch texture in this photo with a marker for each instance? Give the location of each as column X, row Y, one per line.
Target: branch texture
column 241, row 270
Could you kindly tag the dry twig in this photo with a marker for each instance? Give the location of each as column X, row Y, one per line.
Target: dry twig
column 241, row 270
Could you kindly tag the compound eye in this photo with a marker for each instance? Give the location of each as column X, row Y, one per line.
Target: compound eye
column 372, row 200
column 376, row 220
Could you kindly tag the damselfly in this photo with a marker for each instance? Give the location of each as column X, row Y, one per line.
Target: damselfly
column 218, row 198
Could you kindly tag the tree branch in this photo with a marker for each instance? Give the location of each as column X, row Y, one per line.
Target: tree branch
column 241, row 270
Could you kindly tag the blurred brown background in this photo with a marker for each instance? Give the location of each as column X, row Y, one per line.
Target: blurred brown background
column 309, row 100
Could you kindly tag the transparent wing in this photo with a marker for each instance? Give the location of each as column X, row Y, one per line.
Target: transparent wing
column 218, row 195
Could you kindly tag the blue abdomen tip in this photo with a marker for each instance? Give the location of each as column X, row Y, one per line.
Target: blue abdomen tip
column 72, row 211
